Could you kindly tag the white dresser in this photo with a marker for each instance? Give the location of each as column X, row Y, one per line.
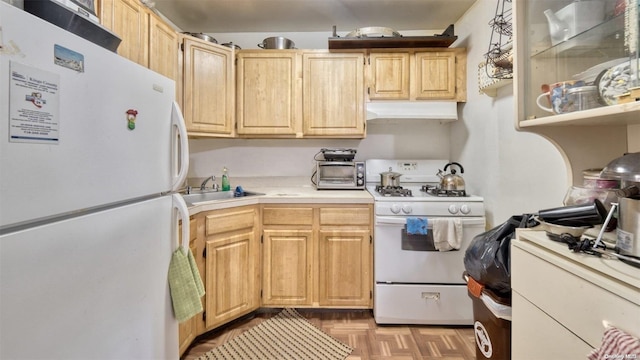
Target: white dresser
column 561, row 298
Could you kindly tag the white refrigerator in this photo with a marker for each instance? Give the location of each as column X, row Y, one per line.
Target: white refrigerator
column 92, row 150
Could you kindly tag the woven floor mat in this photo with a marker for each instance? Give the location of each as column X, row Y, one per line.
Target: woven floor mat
column 286, row 336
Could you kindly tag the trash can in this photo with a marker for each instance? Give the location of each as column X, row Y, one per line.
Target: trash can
column 491, row 322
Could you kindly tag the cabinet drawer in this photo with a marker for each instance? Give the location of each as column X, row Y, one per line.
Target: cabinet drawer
column 287, row 216
column 229, row 221
column 422, row 304
column 345, row 216
column 526, row 339
column 569, row 298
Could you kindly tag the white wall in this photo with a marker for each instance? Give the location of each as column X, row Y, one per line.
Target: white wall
column 516, row 172
column 411, row 139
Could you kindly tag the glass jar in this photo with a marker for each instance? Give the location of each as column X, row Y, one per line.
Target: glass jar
column 582, row 98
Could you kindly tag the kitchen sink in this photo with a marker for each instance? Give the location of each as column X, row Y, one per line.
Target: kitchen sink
column 199, row 196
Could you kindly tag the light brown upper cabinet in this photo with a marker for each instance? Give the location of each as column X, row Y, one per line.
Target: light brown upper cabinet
column 333, row 94
column 417, row 74
column 208, row 88
column 146, row 38
column 389, row 76
column 163, row 48
column 269, row 92
column 129, row 19
column 300, row 93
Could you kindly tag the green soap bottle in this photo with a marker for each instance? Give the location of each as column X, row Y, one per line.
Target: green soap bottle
column 225, row 180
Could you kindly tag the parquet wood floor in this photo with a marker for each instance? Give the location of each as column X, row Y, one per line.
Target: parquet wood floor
column 370, row 341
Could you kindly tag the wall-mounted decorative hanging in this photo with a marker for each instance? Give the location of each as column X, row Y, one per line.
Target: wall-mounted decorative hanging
column 497, row 68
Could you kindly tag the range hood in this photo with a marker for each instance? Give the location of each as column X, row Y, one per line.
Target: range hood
column 444, row 111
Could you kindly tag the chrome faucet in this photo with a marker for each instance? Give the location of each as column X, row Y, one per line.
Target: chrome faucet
column 204, row 183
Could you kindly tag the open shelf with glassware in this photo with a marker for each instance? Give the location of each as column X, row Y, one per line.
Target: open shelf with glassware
column 577, row 63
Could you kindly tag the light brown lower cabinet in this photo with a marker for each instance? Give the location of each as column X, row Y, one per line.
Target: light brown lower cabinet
column 344, row 268
column 311, row 255
column 287, row 267
column 232, row 264
column 317, row 256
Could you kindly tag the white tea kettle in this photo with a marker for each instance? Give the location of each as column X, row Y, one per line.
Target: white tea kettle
column 451, row 181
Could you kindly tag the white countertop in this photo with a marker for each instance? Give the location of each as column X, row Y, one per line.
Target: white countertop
column 609, row 267
column 288, row 190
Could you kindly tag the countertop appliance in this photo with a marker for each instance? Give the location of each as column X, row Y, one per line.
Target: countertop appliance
column 338, row 170
column 414, row 282
column 92, row 148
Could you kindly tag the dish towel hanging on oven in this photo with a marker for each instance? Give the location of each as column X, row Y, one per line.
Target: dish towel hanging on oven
column 447, row 233
column 417, row 226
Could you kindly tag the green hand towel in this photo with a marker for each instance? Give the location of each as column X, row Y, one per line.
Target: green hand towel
column 196, row 273
column 185, row 295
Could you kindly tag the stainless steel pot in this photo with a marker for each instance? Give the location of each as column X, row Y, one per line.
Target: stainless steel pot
column 628, row 226
column 390, row 178
column 232, row 45
column 277, row 42
column 625, row 168
column 202, row 36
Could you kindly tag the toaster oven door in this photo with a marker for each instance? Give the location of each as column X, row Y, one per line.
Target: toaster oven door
column 336, row 175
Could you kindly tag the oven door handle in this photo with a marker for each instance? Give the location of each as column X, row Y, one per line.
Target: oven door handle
column 390, row 220
column 402, row 220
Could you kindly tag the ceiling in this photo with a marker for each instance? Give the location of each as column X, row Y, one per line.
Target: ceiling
column 224, row 16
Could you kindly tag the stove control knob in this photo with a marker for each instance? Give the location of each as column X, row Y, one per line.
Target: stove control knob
column 453, row 209
column 395, row 208
column 407, row 209
column 465, row 209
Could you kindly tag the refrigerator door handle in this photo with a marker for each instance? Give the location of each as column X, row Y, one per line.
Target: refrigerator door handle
column 183, row 213
column 177, row 122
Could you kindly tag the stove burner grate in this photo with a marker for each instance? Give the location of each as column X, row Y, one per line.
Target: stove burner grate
column 435, row 190
column 393, row 191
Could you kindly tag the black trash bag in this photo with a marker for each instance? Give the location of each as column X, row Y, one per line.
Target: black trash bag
column 488, row 259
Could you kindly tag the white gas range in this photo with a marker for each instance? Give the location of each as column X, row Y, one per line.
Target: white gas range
column 415, row 283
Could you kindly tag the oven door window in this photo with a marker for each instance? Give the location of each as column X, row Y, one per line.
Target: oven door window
column 413, row 242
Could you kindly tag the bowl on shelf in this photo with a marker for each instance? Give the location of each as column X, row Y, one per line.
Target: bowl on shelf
column 616, row 81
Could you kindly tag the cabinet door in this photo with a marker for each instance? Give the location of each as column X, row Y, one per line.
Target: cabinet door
column 345, row 268
column 269, row 90
column 388, row 76
column 435, row 75
column 208, row 99
column 288, row 260
column 333, row 95
column 163, row 48
column 231, row 263
column 130, row 21
column 231, row 285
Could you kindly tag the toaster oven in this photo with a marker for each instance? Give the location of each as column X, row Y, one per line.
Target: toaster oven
column 344, row 175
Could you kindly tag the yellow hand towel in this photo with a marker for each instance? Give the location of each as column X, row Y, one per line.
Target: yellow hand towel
column 185, row 295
